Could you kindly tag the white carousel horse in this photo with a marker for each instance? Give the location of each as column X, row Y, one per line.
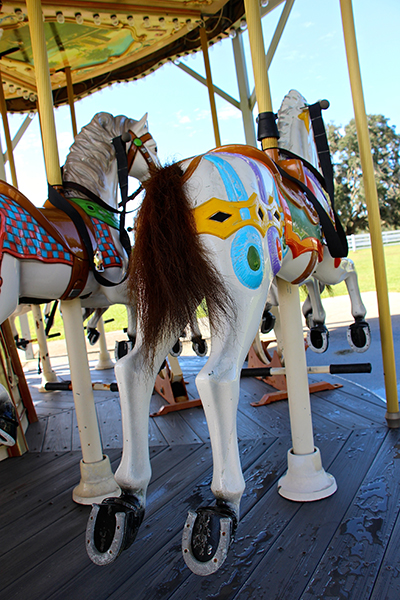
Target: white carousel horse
column 42, row 255
column 219, row 226
column 296, row 135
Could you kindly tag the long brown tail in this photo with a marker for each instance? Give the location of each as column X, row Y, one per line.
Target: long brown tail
column 169, row 273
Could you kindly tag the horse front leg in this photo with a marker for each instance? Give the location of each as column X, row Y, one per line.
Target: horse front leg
column 113, row 525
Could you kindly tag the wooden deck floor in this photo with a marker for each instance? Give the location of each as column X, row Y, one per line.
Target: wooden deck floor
column 344, row 547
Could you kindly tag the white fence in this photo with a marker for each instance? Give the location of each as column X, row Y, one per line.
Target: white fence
column 363, row 240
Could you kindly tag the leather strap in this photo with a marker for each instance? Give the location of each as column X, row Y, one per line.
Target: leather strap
column 57, row 200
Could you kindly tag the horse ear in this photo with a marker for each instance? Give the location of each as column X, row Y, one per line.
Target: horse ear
column 142, row 124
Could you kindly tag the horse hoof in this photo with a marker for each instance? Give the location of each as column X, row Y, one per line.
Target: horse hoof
column 176, row 349
column 112, row 527
column 267, row 322
column 207, row 536
column 199, row 346
column 359, row 335
column 318, row 339
column 92, row 335
column 8, row 419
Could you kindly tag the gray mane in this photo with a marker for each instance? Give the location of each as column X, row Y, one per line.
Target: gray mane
column 92, row 154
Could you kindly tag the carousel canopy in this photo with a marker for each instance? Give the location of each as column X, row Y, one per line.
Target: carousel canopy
column 100, row 42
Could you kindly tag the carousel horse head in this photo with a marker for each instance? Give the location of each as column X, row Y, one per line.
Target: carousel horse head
column 92, row 155
column 295, row 130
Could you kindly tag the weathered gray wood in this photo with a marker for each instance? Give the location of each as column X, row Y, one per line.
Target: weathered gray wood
column 109, row 418
column 356, row 551
column 58, row 432
column 35, row 435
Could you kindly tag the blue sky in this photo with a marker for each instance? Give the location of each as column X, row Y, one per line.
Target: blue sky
column 310, row 58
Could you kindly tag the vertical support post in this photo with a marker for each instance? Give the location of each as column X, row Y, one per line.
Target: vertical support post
column 371, row 197
column 261, row 81
column 48, row 375
column 45, row 96
column 70, row 91
column 3, row 109
column 305, row 479
column 105, row 361
column 204, row 47
column 244, row 90
column 97, row 481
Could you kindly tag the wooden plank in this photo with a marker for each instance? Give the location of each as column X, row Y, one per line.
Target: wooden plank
column 387, row 584
column 286, row 562
column 58, row 433
column 176, row 430
column 13, row 468
column 158, row 529
column 47, row 484
column 35, row 435
column 373, row 412
column 355, row 553
column 165, row 570
column 321, row 405
column 265, row 516
column 109, row 418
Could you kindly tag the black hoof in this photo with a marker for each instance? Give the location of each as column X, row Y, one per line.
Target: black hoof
column 207, row 536
column 318, row 338
column 267, row 322
column 176, row 349
column 8, row 419
column 93, row 335
column 359, row 335
column 123, row 348
column 199, row 346
column 112, row 527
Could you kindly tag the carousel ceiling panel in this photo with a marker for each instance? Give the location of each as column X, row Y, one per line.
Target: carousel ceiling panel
column 102, row 42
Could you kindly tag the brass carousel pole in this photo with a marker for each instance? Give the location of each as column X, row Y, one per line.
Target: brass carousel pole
column 374, row 219
column 305, row 479
column 204, row 47
column 70, row 91
column 3, row 109
column 97, row 481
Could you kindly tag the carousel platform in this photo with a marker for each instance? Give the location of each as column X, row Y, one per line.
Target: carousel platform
column 342, row 547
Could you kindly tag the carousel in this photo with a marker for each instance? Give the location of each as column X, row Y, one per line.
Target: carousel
column 225, row 498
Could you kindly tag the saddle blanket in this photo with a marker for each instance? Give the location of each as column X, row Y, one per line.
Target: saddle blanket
column 23, row 237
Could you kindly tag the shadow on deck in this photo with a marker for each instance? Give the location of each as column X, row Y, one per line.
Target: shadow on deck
column 343, row 547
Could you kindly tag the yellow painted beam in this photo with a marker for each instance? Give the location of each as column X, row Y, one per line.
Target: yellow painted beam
column 3, row 109
column 371, row 197
column 258, row 59
column 210, row 87
column 70, row 91
column 45, row 96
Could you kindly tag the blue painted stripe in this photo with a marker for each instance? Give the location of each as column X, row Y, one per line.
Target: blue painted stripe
column 233, row 185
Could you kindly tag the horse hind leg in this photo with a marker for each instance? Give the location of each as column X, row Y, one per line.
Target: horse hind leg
column 209, row 530
column 113, row 525
column 359, row 332
column 314, row 313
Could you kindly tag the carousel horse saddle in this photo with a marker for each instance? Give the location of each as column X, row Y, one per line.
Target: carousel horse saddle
column 301, row 184
column 58, row 239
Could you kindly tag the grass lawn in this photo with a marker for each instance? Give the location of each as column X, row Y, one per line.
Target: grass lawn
column 116, row 315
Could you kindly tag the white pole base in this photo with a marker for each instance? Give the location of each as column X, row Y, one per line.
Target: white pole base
column 48, row 377
column 104, row 364
column 305, row 479
column 97, row 482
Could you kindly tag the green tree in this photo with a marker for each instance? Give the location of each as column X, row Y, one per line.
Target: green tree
column 349, row 190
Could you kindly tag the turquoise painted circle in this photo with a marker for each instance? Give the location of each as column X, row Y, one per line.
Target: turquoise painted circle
column 247, row 257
